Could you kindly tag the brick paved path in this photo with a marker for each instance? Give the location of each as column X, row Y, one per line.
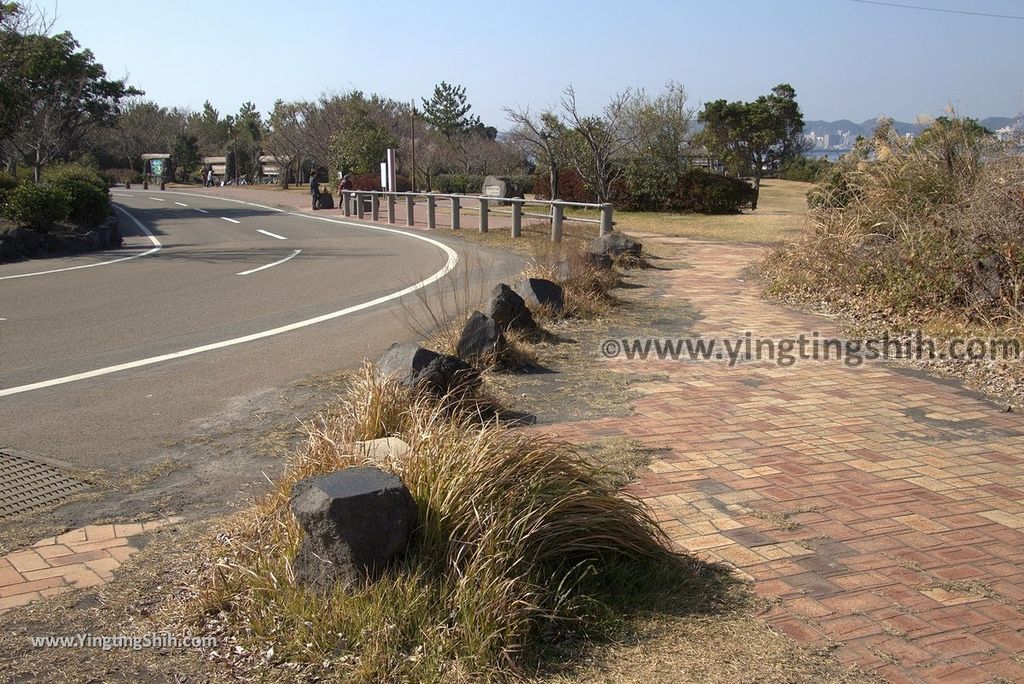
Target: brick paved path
column 83, row 557
column 884, row 511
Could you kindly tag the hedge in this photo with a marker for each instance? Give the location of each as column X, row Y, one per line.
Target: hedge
column 7, row 183
column 458, row 183
column 38, row 206
column 710, row 193
column 87, row 192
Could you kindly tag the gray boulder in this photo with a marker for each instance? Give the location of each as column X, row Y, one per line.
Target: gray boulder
column 607, row 248
column 384, row 451
column 987, row 284
column 509, row 310
column 355, row 522
column 540, row 292
column 423, row 369
column 481, row 338
column 599, row 260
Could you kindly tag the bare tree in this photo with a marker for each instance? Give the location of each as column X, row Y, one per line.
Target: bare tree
column 284, row 139
column 145, row 126
column 658, row 127
column 539, row 138
column 599, row 142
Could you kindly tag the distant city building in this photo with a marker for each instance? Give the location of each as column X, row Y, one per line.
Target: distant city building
column 1013, row 133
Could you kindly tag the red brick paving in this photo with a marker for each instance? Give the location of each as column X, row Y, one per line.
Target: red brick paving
column 83, row 557
column 907, row 494
column 885, row 510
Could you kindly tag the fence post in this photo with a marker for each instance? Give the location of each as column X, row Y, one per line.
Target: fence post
column 431, row 212
column 483, row 215
column 557, row 211
column 606, row 218
column 391, row 207
column 410, row 204
column 375, row 206
column 360, row 201
column 517, row 218
column 345, row 206
column 456, row 222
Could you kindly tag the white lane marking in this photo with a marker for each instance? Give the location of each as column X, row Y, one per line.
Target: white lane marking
column 453, row 260
column 181, row 204
column 232, row 220
column 273, row 235
column 276, row 263
column 152, row 239
column 201, row 210
column 157, row 199
column 120, row 194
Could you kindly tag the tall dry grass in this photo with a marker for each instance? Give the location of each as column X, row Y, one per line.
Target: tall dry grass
column 519, row 543
column 914, row 231
column 586, row 288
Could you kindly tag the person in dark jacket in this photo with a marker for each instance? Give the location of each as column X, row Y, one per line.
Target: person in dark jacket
column 314, row 190
column 345, row 184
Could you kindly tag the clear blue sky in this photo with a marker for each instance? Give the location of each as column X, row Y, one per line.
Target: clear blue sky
column 845, row 59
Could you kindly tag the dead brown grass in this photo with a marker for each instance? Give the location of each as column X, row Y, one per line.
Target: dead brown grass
column 781, row 215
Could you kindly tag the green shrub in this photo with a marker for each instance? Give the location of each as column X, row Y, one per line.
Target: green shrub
column 521, row 183
column 25, row 174
column 7, row 183
column 710, row 193
column 458, row 183
column 38, row 206
column 805, row 169
column 119, row 176
column 87, row 190
column 648, row 186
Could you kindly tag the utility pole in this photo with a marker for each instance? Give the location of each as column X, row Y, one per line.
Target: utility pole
column 413, row 121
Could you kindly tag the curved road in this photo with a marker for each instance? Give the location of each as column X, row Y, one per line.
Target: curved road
column 210, row 307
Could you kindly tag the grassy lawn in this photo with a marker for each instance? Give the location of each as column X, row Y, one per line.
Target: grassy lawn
column 780, row 216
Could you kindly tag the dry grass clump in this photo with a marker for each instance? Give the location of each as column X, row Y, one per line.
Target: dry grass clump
column 922, row 230
column 586, row 288
column 520, row 542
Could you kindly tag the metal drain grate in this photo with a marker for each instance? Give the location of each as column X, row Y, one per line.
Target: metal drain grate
column 26, row 484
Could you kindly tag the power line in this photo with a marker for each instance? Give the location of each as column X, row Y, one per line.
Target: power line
column 939, row 9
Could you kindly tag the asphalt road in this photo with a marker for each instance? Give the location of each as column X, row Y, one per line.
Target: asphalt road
column 105, row 359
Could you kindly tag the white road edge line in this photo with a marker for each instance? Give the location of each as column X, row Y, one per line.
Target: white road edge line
column 230, row 219
column 453, row 260
column 157, row 199
column 152, row 239
column 276, row 263
column 202, row 210
column 273, row 235
column 181, row 204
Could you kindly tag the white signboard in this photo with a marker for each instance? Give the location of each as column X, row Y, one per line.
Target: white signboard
column 384, row 175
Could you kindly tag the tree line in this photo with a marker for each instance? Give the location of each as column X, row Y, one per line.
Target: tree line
column 639, row 149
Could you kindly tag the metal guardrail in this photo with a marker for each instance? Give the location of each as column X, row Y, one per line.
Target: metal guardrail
column 355, row 201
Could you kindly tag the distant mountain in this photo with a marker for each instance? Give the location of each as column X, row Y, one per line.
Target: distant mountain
column 994, row 123
column 866, row 128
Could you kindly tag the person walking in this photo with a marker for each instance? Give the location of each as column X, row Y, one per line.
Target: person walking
column 314, row 189
column 209, row 177
column 345, row 184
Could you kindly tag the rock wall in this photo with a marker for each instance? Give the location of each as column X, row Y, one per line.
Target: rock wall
column 22, row 243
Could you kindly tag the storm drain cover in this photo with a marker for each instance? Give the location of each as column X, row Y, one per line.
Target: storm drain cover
column 26, row 484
